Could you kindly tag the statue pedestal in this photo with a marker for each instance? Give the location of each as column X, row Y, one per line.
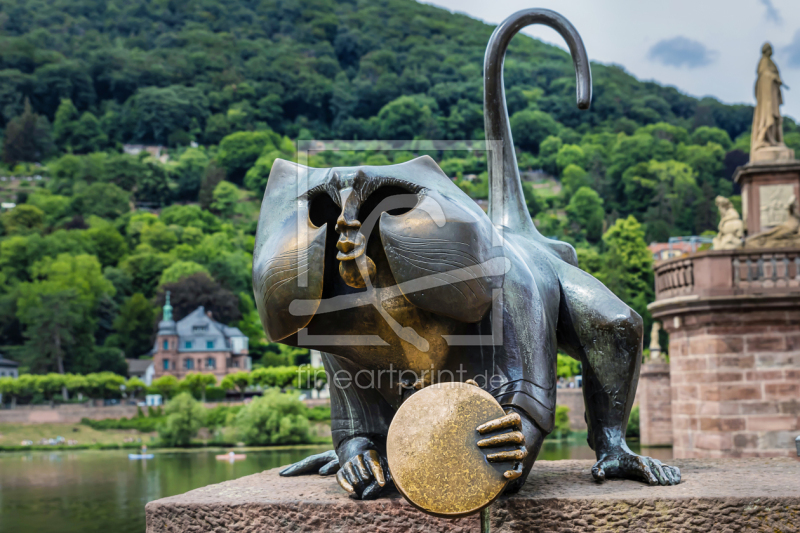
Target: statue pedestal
column 655, row 407
column 766, row 185
column 775, row 154
column 718, row 495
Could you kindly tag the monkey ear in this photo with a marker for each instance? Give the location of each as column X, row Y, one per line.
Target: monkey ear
column 423, row 163
column 286, row 177
column 289, row 267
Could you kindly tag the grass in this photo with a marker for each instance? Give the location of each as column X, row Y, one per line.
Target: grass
column 14, row 434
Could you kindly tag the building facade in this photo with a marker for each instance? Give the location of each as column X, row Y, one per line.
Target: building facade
column 8, row 368
column 198, row 343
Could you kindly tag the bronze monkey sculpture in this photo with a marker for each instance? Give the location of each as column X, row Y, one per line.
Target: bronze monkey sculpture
column 435, row 271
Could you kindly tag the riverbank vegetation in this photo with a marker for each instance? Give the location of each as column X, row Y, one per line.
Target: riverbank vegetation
column 138, row 139
column 56, row 388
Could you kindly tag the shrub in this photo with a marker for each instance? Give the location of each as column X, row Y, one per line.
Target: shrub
column 185, row 416
column 319, row 413
column 140, row 423
column 562, row 429
column 274, row 418
column 633, row 424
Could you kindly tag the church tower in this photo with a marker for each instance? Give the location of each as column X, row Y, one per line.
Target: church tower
column 166, row 354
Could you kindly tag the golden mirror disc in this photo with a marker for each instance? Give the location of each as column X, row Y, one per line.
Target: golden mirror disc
column 433, row 454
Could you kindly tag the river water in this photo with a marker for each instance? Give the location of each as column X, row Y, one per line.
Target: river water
column 105, row 492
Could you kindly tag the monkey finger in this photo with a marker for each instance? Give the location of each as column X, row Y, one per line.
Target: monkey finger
column 344, row 483
column 372, row 491
column 309, row 464
column 502, row 457
column 374, row 463
column 512, row 420
column 330, row 468
column 514, row 437
column 363, row 472
column 351, row 475
column 513, row 474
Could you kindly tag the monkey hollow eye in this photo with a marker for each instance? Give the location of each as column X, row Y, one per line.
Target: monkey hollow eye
column 382, row 196
column 322, row 209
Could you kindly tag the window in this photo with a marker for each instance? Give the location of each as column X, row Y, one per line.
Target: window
column 209, row 345
column 202, row 327
column 189, row 364
column 166, row 345
column 166, row 364
column 188, row 345
column 211, row 362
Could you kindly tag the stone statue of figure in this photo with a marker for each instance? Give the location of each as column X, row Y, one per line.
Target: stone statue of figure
column 767, row 122
column 785, row 235
column 731, row 227
column 655, row 347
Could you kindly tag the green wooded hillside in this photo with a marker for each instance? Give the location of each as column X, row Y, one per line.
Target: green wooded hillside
column 82, row 262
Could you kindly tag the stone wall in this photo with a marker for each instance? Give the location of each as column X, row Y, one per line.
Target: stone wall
column 63, row 414
column 655, row 406
column 559, row 497
column 573, row 398
column 736, row 388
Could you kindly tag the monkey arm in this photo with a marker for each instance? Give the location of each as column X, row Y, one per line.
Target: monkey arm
column 360, row 419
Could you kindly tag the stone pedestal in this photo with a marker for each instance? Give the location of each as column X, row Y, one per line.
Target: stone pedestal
column 734, row 323
column 766, row 185
column 655, row 407
column 560, row 496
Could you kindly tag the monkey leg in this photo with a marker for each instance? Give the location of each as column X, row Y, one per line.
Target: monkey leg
column 605, row 335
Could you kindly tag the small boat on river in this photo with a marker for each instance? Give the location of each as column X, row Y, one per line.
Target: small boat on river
column 230, row 456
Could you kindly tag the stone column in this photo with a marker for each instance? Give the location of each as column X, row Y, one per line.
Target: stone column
column 735, row 378
column 655, row 407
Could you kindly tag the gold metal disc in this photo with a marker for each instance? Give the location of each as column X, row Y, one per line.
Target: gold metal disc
column 433, row 454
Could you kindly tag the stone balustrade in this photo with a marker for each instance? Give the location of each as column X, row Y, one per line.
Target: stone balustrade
column 719, row 273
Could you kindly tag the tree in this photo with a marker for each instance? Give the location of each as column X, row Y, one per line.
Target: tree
column 573, row 178
column 239, row 151
column 66, row 116
column 27, row 138
column 51, row 384
column 52, row 322
column 104, row 200
column 190, row 168
column 11, row 387
column 274, row 418
column 135, row 386
column 159, row 236
column 153, row 113
column 106, row 243
column 213, row 177
column 133, row 327
column 152, row 185
column 237, row 381
column 628, row 266
column 22, row 220
column 585, row 210
column 196, row 383
column 87, row 135
column 408, row 117
column 226, row 196
column 185, row 417
column 570, row 154
column 166, row 386
column 199, row 289
column 530, row 127
column 257, row 176
column 531, row 199
column 180, row 270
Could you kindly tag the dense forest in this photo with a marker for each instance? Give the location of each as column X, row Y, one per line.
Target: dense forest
column 227, row 86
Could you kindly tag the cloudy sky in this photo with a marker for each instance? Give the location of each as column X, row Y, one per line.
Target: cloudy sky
column 702, row 47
